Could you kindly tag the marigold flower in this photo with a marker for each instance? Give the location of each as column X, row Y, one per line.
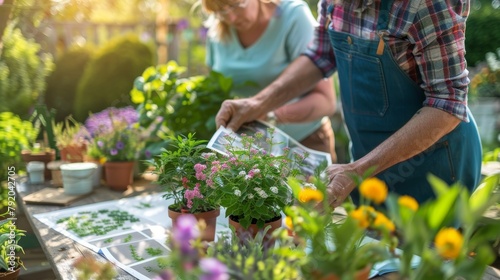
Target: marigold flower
column 381, row 221
column 448, row 243
column 288, row 223
column 374, row 189
column 308, row 194
column 408, row 202
column 363, row 215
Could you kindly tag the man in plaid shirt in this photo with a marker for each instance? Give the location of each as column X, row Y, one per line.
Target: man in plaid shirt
column 403, row 83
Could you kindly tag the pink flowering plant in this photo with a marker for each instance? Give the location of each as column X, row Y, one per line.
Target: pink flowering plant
column 249, row 180
column 180, row 171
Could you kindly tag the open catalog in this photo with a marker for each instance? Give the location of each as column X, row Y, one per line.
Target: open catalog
column 315, row 159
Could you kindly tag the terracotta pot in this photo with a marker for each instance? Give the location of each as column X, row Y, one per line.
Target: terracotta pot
column 252, row 230
column 45, row 157
column 10, row 275
column 210, row 218
column 73, row 153
column 119, row 174
column 362, row 274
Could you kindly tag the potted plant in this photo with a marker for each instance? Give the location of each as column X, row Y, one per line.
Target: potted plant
column 119, row 146
column 71, row 139
column 227, row 257
column 170, row 104
column 180, row 172
column 250, row 181
column 10, row 261
column 16, row 136
column 335, row 247
column 440, row 239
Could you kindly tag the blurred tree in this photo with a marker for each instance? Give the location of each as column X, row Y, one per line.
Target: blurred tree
column 5, row 9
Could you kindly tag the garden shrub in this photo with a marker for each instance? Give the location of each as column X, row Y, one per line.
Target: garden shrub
column 482, row 33
column 107, row 80
column 63, row 82
column 22, row 72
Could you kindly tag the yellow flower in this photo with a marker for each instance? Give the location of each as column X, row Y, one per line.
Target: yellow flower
column 449, row 242
column 381, row 221
column 288, row 223
column 363, row 215
column 374, row 189
column 408, row 202
column 308, row 194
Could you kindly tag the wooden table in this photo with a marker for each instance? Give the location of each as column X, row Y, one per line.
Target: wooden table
column 62, row 251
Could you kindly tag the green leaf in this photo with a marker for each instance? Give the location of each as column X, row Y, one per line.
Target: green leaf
column 439, row 186
column 481, row 199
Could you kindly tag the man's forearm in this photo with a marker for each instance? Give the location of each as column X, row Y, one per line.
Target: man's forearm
column 426, row 127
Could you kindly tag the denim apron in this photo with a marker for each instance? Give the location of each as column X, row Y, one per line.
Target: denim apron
column 378, row 98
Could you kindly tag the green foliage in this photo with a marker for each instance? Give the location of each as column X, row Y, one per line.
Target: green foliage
column 250, row 181
column 9, row 244
column 63, row 81
column 109, row 75
column 251, row 259
column 22, row 72
column 184, row 105
column 177, row 174
column 15, row 135
column 70, row 133
column 482, row 34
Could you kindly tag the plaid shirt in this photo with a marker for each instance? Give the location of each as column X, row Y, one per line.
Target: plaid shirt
column 426, row 38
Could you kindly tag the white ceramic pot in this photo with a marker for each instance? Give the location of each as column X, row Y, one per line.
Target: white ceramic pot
column 36, row 171
column 78, row 177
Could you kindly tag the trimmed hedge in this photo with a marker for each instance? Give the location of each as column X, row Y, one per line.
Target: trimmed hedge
column 23, row 69
column 62, row 83
column 110, row 75
column 483, row 33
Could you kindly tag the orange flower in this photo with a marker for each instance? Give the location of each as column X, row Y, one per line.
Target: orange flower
column 363, row 215
column 308, row 194
column 288, row 223
column 449, row 242
column 374, row 189
column 408, row 202
column 381, row 221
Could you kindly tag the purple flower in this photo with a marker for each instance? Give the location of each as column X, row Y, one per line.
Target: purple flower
column 184, row 232
column 213, row 269
column 165, row 275
column 120, row 145
column 113, row 152
column 100, row 143
column 102, row 122
column 147, row 154
column 182, row 24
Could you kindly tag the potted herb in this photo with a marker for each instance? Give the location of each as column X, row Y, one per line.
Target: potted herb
column 119, row 146
column 250, row 180
column 71, row 139
column 10, row 261
column 180, row 172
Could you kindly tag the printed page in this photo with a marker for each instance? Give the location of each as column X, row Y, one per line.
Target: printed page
column 280, row 138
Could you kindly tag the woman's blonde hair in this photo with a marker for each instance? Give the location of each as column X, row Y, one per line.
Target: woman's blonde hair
column 217, row 28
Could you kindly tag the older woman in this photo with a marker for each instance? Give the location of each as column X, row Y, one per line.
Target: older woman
column 253, row 41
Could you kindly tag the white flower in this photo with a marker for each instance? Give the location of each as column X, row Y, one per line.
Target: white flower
column 242, row 173
column 274, row 189
column 237, row 192
column 250, row 196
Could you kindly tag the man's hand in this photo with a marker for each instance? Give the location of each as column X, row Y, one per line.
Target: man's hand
column 340, row 183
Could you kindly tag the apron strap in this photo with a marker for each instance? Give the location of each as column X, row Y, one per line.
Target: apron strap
column 383, row 17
